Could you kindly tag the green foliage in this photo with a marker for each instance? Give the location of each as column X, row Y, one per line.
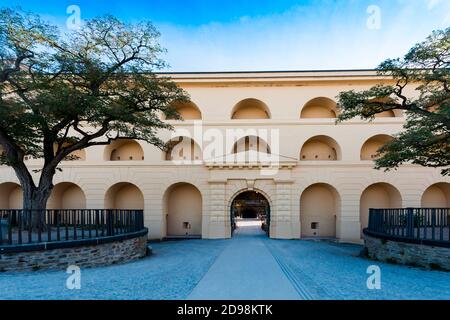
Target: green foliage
column 426, row 138
column 65, row 92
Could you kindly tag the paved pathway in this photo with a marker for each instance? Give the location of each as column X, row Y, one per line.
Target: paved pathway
column 245, row 269
column 249, row 266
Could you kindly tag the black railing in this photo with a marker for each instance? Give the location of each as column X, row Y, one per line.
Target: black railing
column 17, row 227
column 420, row 225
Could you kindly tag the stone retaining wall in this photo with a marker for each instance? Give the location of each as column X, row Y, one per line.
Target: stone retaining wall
column 418, row 255
column 83, row 256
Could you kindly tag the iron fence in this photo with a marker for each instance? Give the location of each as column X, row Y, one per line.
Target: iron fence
column 17, row 227
column 413, row 224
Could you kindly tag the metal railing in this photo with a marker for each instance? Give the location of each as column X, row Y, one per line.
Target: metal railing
column 411, row 224
column 66, row 225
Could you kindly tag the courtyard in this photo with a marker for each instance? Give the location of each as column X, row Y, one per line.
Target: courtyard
column 248, row 266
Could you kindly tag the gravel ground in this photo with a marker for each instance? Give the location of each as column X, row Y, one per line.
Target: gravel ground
column 317, row 270
column 170, row 273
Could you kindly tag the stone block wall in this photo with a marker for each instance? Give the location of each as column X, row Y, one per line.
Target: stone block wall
column 425, row 256
column 83, row 256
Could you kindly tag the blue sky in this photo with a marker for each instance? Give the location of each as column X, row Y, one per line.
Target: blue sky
column 246, row 35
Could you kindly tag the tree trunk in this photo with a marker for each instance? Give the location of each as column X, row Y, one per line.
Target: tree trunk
column 34, row 205
column 35, row 198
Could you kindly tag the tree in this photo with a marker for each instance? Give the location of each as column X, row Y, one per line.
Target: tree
column 426, row 138
column 60, row 93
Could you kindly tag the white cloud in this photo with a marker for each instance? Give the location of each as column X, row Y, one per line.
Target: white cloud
column 301, row 38
column 432, row 3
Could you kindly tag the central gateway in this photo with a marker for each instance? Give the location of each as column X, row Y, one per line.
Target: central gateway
column 250, row 205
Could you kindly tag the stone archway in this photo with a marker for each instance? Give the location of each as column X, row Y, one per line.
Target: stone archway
column 250, row 205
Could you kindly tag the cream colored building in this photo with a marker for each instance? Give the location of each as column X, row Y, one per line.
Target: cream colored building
column 318, row 182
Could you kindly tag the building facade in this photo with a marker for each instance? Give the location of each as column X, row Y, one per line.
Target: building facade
column 266, row 137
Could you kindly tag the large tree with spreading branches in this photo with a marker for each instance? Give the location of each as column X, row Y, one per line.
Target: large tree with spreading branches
column 61, row 92
column 425, row 139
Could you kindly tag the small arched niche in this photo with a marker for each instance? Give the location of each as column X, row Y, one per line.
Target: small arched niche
column 251, row 143
column 124, row 150
column 369, row 150
column 437, row 196
column 320, row 148
column 77, row 155
column 67, row 195
column 386, row 114
column 319, row 108
column 250, row 109
column 11, row 196
column 182, row 149
column 187, row 111
column 389, row 113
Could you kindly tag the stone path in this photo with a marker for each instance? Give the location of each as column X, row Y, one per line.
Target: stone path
column 246, row 269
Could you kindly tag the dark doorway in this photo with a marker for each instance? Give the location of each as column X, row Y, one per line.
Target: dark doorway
column 249, row 213
column 250, row 205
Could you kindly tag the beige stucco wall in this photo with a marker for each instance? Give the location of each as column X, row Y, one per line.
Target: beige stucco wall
column 146, row 183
